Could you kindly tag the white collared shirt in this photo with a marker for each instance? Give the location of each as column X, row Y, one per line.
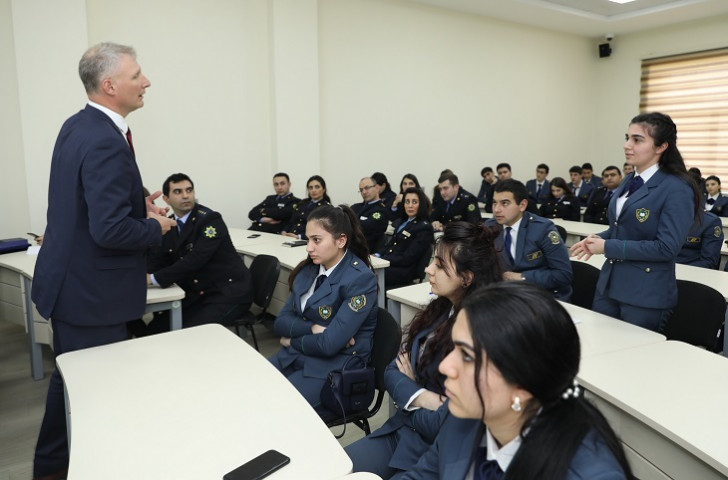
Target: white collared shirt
column 322, row 271
column 118, row 120
column 502, row 455
column 646, row 175
column 514, row 236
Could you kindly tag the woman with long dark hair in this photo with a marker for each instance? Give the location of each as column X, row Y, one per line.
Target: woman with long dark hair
column 465, row 259
column 317, row 196
column 411, row 240
column 560, row 203
column 650, row 215
column 385, row 190
column 516, row 411
column 409, row 180
column 331, row 312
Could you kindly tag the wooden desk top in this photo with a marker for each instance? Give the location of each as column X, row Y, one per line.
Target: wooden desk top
column 677, row 389
column 189, row 404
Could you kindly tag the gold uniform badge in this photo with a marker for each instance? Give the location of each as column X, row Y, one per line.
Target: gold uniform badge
column 642, row 214
column 210, row 232
column 358, row 302
column 554, row 237
column 325, row 311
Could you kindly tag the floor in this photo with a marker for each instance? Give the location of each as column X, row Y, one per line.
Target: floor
column 22, row 400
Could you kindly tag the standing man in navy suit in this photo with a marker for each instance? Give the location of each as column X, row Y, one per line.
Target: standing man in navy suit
column 90, row 276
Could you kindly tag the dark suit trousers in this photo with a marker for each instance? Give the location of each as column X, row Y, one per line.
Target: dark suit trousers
column 51, row 451
column 200, row 313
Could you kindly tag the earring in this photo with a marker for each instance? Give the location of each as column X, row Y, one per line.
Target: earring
column 516, row 406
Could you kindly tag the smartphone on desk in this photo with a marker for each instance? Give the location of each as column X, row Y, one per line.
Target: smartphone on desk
column 255, row 235
column 259, row 467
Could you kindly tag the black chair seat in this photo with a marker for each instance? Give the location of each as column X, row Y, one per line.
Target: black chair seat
column 699, row 315
column 584, row 283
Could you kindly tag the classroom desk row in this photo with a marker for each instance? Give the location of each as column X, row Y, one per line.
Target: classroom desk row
column 206, row 403
column 250, row 244
column 16, row 276
column 665, row 399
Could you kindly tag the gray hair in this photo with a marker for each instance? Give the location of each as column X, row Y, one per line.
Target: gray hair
column 99, row 62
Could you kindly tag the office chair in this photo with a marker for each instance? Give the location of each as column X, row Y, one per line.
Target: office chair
column 264, row 271
column 584, row 283
column 562, row 232
column 698, row 316
column 387, row 339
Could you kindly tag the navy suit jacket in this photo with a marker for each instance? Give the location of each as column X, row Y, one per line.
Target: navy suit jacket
column 641, row 245
column 454, row 450
column 92, row 267
column 346, row 304
column 719, row 207
column 532, row 187
column 421, row 426
column 585, row 192
column 702, row 246
column 541, row 256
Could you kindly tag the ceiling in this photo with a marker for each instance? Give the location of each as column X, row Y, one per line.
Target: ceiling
column 590, row 18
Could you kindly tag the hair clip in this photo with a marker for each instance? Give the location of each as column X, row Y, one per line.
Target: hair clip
column 574, row 391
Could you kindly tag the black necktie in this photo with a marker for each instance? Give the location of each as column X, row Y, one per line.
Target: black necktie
column 538, row 191
column 180, row 225
column 319, row 280
column 711, row 201
column 634, row 185
column 128, row 139
column 486, row 469
column 608, row 196
column 508, row 243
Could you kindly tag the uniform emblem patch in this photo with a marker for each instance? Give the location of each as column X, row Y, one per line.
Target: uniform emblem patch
column 376, row 215
column 554, row 237
column 717, row 232
column 534, row 256
column 693, row 240
column 325, row 311
column 358, row 302
column 210, row 232
column 642, row 214
column 471, row 207
column 295, row 206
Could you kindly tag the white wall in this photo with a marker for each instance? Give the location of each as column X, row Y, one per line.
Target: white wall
column 342, row 88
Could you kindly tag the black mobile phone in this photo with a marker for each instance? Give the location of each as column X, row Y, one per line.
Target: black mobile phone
column 255, row 235
column 259, row 467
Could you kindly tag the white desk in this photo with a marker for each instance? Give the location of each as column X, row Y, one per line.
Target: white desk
column 189, row 404
column 20, row 266
column 289, row 257
column 667, row 402
column 598, row 333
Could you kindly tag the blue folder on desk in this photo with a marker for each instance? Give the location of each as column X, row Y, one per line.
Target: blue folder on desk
column 8, row 245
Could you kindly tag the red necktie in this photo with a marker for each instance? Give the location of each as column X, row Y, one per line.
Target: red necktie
column 128, row 139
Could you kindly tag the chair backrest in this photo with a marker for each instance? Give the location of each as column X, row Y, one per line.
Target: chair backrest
column 422, row 264
column 562, row 232
column 385, row 346
column 698, row 316
column 584, row 283
column 264, row 270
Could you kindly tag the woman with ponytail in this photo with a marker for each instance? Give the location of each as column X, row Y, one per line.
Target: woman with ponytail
column 331, row 312
column 465, row 259
column 516, row 411
column 650, row 215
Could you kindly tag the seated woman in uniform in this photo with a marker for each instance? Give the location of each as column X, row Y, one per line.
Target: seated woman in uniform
column 560, row 203
column 331, row 312
column 317, row 196
column 514, row 403
column 412, row 238
column 465, row 259
column 386, row 194
column 408, row 181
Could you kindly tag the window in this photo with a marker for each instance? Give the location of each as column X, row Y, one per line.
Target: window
column 693, row 90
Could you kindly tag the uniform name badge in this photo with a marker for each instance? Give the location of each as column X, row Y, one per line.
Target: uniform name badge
column 281, row 205
column 406, row 233
column 363, row 218
column 693, row 240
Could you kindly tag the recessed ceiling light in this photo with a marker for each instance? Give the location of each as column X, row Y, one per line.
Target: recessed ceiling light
column 621, row 1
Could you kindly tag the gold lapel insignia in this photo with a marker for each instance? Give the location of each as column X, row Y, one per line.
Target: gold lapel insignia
column 693, row 240
column 642, row 214
column 358, row 302
column 325, row 311
column 554, row 237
